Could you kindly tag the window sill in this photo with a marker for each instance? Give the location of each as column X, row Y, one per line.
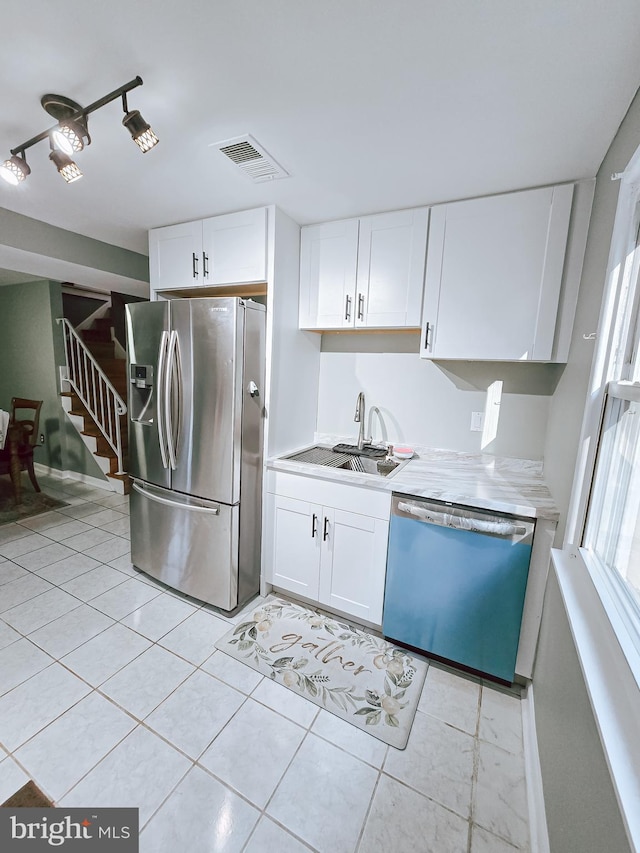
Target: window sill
column 610, row 662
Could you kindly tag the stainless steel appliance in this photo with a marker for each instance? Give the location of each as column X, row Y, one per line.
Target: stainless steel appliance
column 196, row 371
column 456, row 582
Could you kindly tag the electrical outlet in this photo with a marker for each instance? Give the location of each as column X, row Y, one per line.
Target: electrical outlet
column 41, row 438
column 477, row 421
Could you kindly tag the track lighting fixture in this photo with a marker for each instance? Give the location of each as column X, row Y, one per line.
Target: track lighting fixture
column 70, row 135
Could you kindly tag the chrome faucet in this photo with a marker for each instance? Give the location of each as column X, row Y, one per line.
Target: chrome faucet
column 359, row 419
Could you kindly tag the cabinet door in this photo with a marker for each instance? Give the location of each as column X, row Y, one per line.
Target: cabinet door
column 235, row 247
column 353, row 564
column 294, row 549
column 328, row 258
column 175, row 256
column 391, row 259
column 494, row 271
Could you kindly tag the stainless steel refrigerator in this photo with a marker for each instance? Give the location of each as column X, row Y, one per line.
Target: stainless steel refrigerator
column 196, row 376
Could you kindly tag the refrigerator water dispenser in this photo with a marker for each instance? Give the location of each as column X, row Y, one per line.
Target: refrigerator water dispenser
column 141, row 398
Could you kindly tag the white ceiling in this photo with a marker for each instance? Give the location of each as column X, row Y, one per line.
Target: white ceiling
column 371, row 105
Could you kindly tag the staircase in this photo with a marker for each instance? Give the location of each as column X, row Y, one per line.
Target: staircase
column 97, row 341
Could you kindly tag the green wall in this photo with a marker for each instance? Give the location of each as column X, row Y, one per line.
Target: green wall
column 31, row 349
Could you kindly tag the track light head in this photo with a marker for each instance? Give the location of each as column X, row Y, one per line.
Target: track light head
column 68, row 136
column 141, row 132
column 15, row 170
column 65, row 166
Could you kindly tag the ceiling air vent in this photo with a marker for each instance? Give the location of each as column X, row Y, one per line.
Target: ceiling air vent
column 252, row 158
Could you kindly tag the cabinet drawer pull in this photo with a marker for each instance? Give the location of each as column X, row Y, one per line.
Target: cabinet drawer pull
column 426, row 335
column 325, row 529
column 360, row 306
column 347, row 309
column 314, row 525
column 194, row 264
column 205, row 268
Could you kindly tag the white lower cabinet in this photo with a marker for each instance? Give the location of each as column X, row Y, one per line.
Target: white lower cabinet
column 295, row 553
column 320, row 548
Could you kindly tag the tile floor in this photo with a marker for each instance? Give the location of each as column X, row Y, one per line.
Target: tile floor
column 112, row 694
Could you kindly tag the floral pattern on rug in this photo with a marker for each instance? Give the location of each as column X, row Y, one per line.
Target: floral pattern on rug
column 379, row 703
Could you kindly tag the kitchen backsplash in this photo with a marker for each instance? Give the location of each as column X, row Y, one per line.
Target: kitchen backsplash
column 411, row 401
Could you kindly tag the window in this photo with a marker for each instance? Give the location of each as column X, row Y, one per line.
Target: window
column 610, row 537
column 599, row 568
column 613, row 524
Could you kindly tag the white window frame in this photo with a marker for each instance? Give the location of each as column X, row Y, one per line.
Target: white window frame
column 625, row 230
column 604, row 627
column 610, row 372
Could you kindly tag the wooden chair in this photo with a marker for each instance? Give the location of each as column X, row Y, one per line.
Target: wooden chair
column 28, row 437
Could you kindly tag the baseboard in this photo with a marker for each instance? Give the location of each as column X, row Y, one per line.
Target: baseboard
column 57, row 474
column 539, row 835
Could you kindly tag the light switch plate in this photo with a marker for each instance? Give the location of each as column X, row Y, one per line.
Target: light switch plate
column 477, row 421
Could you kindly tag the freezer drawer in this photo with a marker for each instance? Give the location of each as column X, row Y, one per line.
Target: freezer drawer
column 188, row 543
column 455, row 584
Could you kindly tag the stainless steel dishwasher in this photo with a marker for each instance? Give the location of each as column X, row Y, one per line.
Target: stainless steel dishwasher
column 456, row 581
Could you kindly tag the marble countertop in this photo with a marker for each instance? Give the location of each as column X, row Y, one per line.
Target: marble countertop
column 474, row 479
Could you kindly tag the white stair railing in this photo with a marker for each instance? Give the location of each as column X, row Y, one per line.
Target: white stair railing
column 94, row 389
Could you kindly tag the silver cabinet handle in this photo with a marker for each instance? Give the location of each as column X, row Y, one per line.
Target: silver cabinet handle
column 160, row 401
column 347, row 308
column 325, row 529
column 194, row 264
column 360, row 306
column 426, row 335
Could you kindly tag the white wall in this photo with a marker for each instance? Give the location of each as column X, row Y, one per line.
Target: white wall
column 580, row 801
column 431, row 404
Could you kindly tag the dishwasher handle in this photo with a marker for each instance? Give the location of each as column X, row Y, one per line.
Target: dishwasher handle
column 474, row 524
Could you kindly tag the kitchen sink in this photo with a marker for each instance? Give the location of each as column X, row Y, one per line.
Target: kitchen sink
column 328, row 458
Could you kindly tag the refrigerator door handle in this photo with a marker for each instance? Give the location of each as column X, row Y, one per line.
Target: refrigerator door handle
column 160, row 381
column 173, row 364
column 212, row 510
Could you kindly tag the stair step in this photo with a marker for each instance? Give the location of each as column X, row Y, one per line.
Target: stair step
column 115, row 366
column 104, row 322
column 101, row 349
column 113, row 460
column 94, row 430
column 125, row 479
column 98, row 335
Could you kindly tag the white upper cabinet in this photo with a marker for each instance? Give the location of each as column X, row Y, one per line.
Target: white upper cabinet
column 363, row 273
column 494, row 275
column 328, row 262
column 175, row 256
column 229, row 249
column 391, row 258
column 235, row 247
